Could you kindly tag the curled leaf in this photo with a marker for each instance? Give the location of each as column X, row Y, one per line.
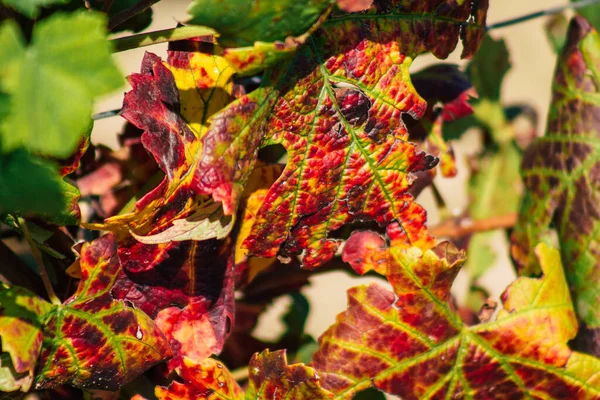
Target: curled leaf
column 172, row 103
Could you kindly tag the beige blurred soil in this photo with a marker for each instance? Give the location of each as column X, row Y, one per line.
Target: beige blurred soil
column 529, row 81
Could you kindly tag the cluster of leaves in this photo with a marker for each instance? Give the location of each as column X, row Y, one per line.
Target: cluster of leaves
column 277, row 140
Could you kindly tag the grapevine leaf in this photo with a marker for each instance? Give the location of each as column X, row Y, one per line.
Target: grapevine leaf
column 488, row 68
column 560, row 172
column 410, row 343
column 172, row 102
column 55, row 79
column 186, row 287
column 241, row 23
column 337, row 111
column 251, row 60
column 448, row 86
column 30, row 8
column 448, row 93
column 93, row 340
column 168, row 103
column 31, row 186
column 592, row 13
column 272, row 378
column 70, row 213
column 209, row 379
column 21, row 319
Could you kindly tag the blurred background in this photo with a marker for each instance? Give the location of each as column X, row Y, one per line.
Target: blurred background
column 528, row 81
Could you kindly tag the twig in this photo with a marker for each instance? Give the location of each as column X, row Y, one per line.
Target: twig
column 106, row 114
column 37, row 256
column 130, row 13
column 541, row 13
column 455, row 229
column 162, row 36
column 107, row 5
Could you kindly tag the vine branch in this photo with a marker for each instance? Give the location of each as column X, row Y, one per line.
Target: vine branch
column 37, row 256
column 541, row 13
column 106, row 114
column 458, row 228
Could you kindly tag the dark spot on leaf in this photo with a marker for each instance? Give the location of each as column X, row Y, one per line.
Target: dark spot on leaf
column 354, row 105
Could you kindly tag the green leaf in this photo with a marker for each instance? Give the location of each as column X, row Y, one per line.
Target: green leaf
column 493, row 186
column 560, row 172
column 591, row 12
column 488, row 68
column 21, row 318
column 241, row 23
column 556, row 31
column 30, row 8
column 53, row 82
column 369, row 394
column 30, row 185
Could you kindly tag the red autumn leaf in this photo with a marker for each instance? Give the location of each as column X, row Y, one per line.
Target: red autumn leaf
column 209, row 379
column 186, row 287
column 337, row 110
column 447, row 91
column 94, row 340
column 172, row 102
column 272, row 378
column 410, row 343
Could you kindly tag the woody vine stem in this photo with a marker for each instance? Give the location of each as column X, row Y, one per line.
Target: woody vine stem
column 39, row 260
